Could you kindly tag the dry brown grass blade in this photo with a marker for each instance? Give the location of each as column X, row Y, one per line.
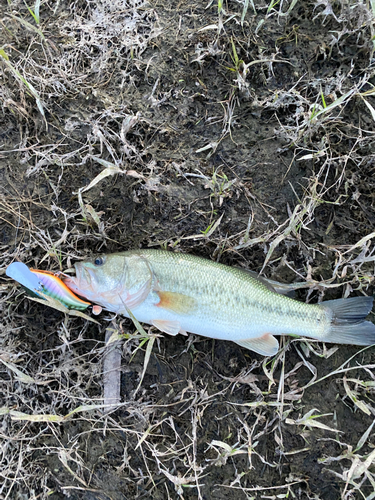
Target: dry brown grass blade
column 20, row 376
column 55, row 304
column 193, row 118
column 310, row 420
column 145, row 338
column 150, row 344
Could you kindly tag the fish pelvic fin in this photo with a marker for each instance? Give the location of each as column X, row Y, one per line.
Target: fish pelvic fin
column 166, row 326
column 176, row 302
column 348, row 324
column 266, row 345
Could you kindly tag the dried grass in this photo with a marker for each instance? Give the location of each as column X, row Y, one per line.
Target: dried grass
column 94, row 105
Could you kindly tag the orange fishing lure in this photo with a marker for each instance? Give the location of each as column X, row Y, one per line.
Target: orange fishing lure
column 55, row 288
column 47, row 282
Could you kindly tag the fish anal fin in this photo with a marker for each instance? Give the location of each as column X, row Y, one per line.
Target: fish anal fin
column 176, row 302
column 266, row 345
column 167, row 326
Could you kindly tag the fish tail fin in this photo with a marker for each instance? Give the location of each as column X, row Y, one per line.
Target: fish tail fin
column 348, row 322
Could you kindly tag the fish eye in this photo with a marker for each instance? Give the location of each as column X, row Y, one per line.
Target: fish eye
column 99, row 261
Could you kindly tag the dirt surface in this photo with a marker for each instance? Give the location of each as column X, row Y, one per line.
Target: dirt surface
column 238, row 135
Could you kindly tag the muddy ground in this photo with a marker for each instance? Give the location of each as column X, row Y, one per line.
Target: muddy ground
column 237, row 134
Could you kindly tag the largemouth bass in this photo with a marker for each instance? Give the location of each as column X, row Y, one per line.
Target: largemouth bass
column 179, row 293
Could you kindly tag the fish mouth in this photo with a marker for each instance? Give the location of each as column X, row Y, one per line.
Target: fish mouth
column 82, row 282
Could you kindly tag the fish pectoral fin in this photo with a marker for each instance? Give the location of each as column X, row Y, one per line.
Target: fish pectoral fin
column 166, row 326
column 266, row 345
column 176, row 302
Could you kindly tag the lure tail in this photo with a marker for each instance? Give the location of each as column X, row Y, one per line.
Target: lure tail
column 348, row 323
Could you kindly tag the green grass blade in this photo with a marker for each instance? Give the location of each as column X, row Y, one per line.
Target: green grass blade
column 245, row 8
column 338, row 102
column 32, row 90
column 28, row 25
column 36, row 10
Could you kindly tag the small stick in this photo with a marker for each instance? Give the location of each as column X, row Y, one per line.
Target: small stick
column 112, row 367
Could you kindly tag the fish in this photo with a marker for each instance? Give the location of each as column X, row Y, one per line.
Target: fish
column 181, row 293
column 34, row 281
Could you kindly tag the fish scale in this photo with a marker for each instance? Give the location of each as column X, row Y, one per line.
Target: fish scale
column 250, row 300
column 183, row 293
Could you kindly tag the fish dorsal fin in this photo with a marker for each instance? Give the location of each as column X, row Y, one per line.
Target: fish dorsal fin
column 176, row 302
column 274, row 286
column 166, row 326
column 261, row 279
column 266, row 345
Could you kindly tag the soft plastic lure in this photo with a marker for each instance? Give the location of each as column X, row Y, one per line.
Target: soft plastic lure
column 45, row 281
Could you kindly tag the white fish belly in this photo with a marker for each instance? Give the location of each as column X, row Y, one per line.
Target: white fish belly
column 233, row 325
